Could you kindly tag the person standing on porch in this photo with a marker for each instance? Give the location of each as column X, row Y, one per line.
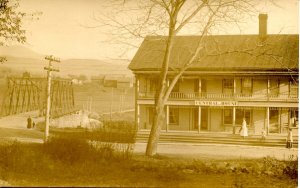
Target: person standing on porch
column 289, row 140
column 244, row 131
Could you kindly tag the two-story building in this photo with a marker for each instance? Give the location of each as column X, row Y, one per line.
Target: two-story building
column 235, row 76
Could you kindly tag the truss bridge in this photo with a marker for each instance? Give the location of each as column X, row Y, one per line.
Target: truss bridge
column 24, row 94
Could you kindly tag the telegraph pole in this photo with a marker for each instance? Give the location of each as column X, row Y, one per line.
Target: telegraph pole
column 48, row 107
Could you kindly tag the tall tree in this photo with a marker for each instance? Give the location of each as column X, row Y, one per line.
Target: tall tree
column 171, row 18
column 11, row 23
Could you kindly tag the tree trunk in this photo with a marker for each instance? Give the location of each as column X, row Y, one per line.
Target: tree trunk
column 159, row 120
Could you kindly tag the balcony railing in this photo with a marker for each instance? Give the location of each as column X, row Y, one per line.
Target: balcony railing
column 223, row 96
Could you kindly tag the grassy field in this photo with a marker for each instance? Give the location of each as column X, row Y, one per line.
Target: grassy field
column 103, row 98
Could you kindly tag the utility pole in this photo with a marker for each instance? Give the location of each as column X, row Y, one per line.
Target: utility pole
column 111, row 103
column 48, row 96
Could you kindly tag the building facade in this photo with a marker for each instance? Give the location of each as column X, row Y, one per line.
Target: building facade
column 236, row 77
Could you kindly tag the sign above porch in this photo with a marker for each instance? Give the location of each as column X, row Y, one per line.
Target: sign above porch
column 216, row 103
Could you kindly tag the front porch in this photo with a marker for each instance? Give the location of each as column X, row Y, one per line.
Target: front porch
column 206, row 137
column 226, row 119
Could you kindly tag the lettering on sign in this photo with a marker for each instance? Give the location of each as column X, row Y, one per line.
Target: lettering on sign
column 216, row 103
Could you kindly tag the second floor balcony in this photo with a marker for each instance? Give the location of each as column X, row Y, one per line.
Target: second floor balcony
column 224, row 96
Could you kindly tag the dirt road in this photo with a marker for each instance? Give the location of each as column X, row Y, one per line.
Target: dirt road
column 218, row 151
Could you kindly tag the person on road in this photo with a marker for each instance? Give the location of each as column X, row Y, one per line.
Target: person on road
column 244, row 131
column 29, row 122
column 289, row 140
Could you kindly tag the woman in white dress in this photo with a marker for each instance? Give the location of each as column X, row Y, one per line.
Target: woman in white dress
column 244, row 131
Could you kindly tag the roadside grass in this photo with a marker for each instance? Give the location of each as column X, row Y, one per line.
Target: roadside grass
column 72, row 161
column 104, row 157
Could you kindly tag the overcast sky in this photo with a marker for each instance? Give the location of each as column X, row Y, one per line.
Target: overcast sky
column 59, row 29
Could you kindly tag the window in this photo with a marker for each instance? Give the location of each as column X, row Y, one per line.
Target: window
column 294, row 118
column 247, row 86
column 294, row 84
column 273, row 115
column 174, row 115
column 243, row 113
column 152, row 84
column 228, row 86
column 274, row 87
column 227, row 116
column 151, row 115
column 176, row 87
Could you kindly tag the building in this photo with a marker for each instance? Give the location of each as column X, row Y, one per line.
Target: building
column 235, row 76
column 125, row 82
column 98, row 79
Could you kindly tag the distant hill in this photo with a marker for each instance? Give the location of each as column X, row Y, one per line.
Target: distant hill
column 22, row 59
column 19, row 51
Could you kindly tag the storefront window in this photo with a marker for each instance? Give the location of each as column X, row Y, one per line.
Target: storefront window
column 174, row 115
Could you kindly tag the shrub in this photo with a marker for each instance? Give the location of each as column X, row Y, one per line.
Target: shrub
column 115, row 131
column 67, row 149
column 18, row 157
column 10, row 153
column 291, row 169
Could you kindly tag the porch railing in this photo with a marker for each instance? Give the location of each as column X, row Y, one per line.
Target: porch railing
column 239, row 96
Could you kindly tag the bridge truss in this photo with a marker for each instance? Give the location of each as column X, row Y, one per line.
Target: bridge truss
column 26, row 94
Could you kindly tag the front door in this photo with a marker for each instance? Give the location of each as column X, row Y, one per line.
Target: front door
column 274, row 125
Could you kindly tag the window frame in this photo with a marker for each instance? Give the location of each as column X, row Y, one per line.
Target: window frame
column 228, row 85
column 230, row 116
column 173, row 115
column 294, row 88
column 247, row 90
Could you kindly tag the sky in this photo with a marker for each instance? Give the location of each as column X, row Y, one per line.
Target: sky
column 60, row 29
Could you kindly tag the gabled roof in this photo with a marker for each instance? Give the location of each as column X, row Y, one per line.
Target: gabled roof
column 221, row 52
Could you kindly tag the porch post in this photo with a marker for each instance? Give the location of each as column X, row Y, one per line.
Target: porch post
column 167, row 114
column 199, row 119
column 137, row 116
column 233, row 119
column 200, row 89
column 289, row 119
column 279, row 120
column 234, row 86
column 137, row 107
column 268, row 88
column 268, row 119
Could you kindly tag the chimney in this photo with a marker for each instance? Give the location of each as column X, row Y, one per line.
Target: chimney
column 263, row 17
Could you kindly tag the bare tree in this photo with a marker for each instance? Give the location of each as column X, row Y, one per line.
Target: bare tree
column 171, row 18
